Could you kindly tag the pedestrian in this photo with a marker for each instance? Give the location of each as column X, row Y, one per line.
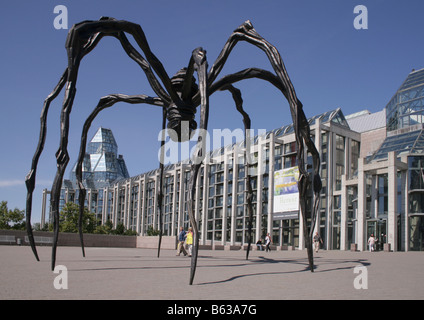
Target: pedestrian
column 382, row 241
column 268, row 242
column 181, row 240
column 189, row 241
column 259, row 245
column 371, row 242
column 317, row 241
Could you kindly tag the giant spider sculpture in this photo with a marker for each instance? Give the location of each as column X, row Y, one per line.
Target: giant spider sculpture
column 179, row 98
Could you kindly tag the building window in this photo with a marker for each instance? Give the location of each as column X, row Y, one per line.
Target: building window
column 416, row 203
column 337, row 221
column 340, row 162
column 382, row 199
column 355, row 151
column 290, row 154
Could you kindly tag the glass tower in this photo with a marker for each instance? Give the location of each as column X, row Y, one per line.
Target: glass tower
column 102, row 165
column 406, row 108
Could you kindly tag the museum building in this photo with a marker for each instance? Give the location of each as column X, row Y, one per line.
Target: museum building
column 372, row 171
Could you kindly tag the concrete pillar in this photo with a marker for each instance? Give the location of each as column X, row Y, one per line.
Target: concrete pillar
column 259, row 186
column 139, row 202
column 181, row 199
column 43, row 208
column 406, row 210
column 115, row 206
column 271, row 181
column 143, row 205
column 174, row 222
column 343, row 222
column 225, row 200
column 392, row 202
column 105, row 205
column 362, row 206
column 203, row 236
column 234, row 197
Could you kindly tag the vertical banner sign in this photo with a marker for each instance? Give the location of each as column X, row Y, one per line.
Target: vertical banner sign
column 286, row 194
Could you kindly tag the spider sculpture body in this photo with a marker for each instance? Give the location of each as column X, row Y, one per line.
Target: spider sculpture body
column 179, row 98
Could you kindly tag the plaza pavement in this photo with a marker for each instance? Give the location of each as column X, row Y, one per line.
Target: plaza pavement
column 122, row 273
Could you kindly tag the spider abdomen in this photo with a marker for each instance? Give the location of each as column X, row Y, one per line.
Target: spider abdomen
column 181, row 123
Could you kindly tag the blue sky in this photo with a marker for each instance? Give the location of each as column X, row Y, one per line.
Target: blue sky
column 331, row 65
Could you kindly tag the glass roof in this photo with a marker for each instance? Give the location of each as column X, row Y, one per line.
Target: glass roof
column 406, row 108
column 415, row 78
column 406, row 143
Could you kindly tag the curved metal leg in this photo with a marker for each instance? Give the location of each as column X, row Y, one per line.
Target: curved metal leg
column 247, row 33
column 31, row 177
column 199, row 56
column 105, row 102
column 160, row 185
column 62, row 159
column 248, row 187
column 82, row 38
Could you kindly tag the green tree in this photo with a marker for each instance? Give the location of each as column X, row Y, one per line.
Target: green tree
column 152, row 232
column 105, row 228
column 120, row 229
column 37, row 227
column 69, row 219
column 11, row 219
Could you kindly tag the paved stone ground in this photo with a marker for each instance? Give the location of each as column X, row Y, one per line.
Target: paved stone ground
column 116, row 273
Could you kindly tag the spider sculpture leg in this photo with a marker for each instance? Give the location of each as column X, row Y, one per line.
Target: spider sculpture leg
column 303, row 183
column 30, row 178
column 82, row 38
column 160, row 184
column 200, row 62
column 281, row 80
column 105, row 102
column 248, row 187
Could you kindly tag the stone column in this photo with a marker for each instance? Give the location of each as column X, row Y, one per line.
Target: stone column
column 392, row 202
column 271, row 181
column 343, row 222
column 362, row 206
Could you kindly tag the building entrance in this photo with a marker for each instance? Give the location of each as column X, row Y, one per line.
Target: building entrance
column 379, row 229
column 416, row 233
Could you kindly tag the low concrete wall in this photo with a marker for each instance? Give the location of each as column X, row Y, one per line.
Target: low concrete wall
column 68, row 239
column 151, row 242
column 16, row 237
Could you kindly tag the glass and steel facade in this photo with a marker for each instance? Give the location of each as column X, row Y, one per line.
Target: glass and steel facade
column 380, row 192
column 389, row 193
column 102, row 166
column 406, row 108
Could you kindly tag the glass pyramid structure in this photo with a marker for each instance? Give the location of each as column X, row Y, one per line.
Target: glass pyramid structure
column 404, row 120
column 102, row 165
column 404, row 143
column 406, row 108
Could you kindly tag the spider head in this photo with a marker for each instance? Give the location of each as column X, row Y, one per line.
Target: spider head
column 181, row 115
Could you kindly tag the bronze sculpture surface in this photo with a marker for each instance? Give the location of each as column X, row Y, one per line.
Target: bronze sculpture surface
column 179, row 97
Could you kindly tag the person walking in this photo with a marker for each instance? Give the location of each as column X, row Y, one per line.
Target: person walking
column 371, row 242
column 268, row 242
column 181, row 240
column 317, row 241
column 189, row 241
